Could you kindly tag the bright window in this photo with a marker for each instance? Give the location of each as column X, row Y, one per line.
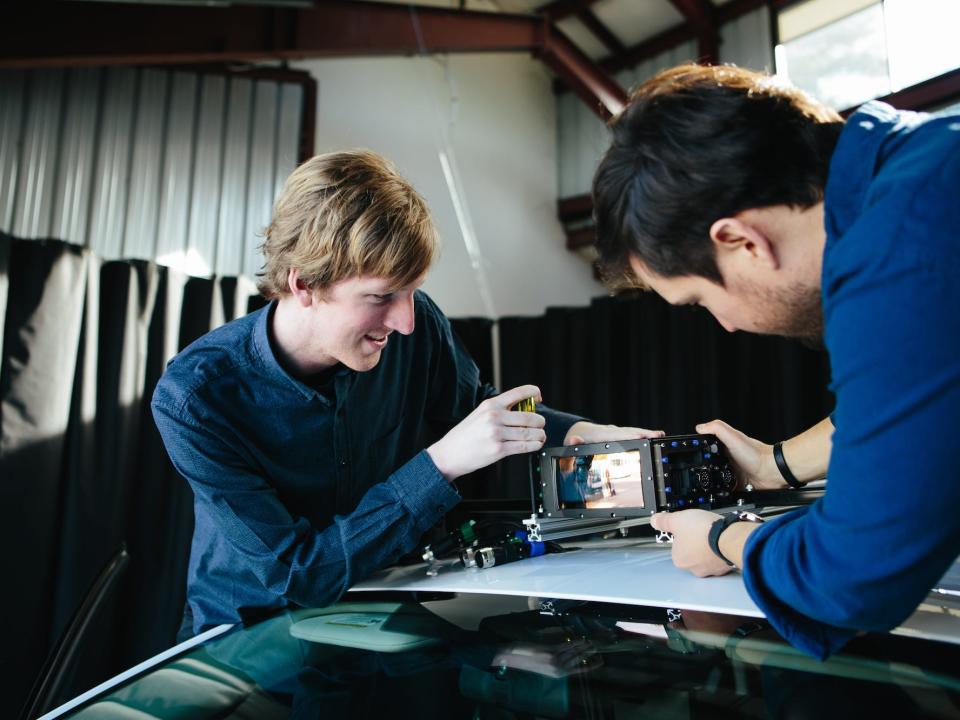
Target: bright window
column 845, row 52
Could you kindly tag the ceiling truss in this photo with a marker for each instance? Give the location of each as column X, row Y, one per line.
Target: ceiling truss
column 106, row 33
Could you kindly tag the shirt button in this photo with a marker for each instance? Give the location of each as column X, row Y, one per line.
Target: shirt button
column 343, row 462
column 441, row 509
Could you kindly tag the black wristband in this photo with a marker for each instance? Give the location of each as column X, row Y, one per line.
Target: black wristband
column 721, row 524
column 718, row 526
column 784, row 468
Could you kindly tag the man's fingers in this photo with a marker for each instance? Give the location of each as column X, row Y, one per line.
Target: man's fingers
column 522, row 419
column 523, row 433
column 515, row 447
column 511, row 397
column 641, row 433
column 715, row 427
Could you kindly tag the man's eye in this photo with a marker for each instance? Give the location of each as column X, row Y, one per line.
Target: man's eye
column 383, row 298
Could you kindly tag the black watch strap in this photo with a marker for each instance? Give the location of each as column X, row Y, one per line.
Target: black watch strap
column 784, row 468
column 721, row 524
column 716, row 529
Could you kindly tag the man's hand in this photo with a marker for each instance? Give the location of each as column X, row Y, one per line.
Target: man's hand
column 752, row 460
column 584, row 432
column 691, row 550
column 490, row 433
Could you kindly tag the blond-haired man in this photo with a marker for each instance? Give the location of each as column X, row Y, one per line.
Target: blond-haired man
column 299, row 426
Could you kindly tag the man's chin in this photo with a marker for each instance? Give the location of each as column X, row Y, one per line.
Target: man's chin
column 362, row 363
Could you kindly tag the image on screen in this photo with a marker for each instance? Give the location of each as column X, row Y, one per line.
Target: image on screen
column 594, row 482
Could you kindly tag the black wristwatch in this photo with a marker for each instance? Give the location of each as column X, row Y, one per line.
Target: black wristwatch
column 722, row 523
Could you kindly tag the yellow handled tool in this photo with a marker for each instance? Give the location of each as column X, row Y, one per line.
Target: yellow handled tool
column 526, row 405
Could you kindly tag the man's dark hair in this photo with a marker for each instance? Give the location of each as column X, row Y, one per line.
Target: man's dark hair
column 698, row 143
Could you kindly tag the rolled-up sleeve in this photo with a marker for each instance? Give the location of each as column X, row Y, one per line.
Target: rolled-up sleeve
column 457, row 388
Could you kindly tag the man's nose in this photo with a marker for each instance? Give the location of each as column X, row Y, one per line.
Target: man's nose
column 401, row 317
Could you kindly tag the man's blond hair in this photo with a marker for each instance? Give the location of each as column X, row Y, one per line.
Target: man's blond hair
column 346, row 214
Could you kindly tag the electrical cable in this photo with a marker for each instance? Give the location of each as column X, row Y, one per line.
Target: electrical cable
column 451, row 174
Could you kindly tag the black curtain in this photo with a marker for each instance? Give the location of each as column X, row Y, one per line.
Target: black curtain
column 83, row 470
column 639, row 361
column 82, row 467
column 476, row 334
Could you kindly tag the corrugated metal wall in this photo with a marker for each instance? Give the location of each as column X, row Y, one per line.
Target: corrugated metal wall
column 747, row 42
column 177, row 167
column 582, row 136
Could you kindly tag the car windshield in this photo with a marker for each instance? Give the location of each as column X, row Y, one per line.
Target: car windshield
column 486, row 656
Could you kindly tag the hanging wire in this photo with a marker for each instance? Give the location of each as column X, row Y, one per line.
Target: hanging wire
column 443, row 129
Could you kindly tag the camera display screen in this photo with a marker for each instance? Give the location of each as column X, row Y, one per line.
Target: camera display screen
column 610, row 480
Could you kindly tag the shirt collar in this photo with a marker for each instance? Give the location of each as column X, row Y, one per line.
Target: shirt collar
column 855, row 161
column 269, row 363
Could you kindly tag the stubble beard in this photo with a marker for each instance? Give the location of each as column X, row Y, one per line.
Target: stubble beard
column 794, row 312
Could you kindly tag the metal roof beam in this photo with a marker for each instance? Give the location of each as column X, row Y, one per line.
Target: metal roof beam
column 94, row 33
column 600, row 31
column 106, row 33
column 702, row 17
column 678, row 34
column 594, row 86
column 560, row 9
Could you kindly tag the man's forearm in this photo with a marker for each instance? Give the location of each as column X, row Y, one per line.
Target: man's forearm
column 808, row 454
column 734, row 539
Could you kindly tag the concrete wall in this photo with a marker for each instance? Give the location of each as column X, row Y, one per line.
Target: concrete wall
column 494, row 116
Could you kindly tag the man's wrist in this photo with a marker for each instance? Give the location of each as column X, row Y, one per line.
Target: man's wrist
column 436, row 455
column 716, row 530
column 734, row 539
column 785, row 472
column 723, row 528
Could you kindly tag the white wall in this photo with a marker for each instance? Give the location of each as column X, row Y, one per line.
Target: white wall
column 499, row 114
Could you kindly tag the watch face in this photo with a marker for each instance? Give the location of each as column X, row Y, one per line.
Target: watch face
column 749, row 517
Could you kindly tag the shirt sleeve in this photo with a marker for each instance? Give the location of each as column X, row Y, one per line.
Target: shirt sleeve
column 456, row 386
column 306, row 565
column 887, row 528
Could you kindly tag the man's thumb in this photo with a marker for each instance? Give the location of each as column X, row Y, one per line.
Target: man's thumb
column 660, row 521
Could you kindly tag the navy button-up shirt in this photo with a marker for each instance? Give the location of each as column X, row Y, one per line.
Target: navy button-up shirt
column 866, row 554
column 299, row 494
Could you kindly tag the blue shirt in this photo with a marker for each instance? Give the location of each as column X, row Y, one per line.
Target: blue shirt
column 298, row 493
column 888, row 526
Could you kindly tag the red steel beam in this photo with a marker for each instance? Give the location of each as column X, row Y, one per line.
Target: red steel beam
column 700, row 15
column 94, row 33
column 575, row 207
column 924, row 95
column 106, row 33
column 660, row 43
column 560, row 9
column 600, row 31
column 595, row 87
column 677, row 35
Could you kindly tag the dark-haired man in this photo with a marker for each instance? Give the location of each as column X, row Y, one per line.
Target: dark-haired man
column 727, row 189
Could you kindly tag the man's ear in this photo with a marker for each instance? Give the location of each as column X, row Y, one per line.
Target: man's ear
column 732, row 235
column 298, row 289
